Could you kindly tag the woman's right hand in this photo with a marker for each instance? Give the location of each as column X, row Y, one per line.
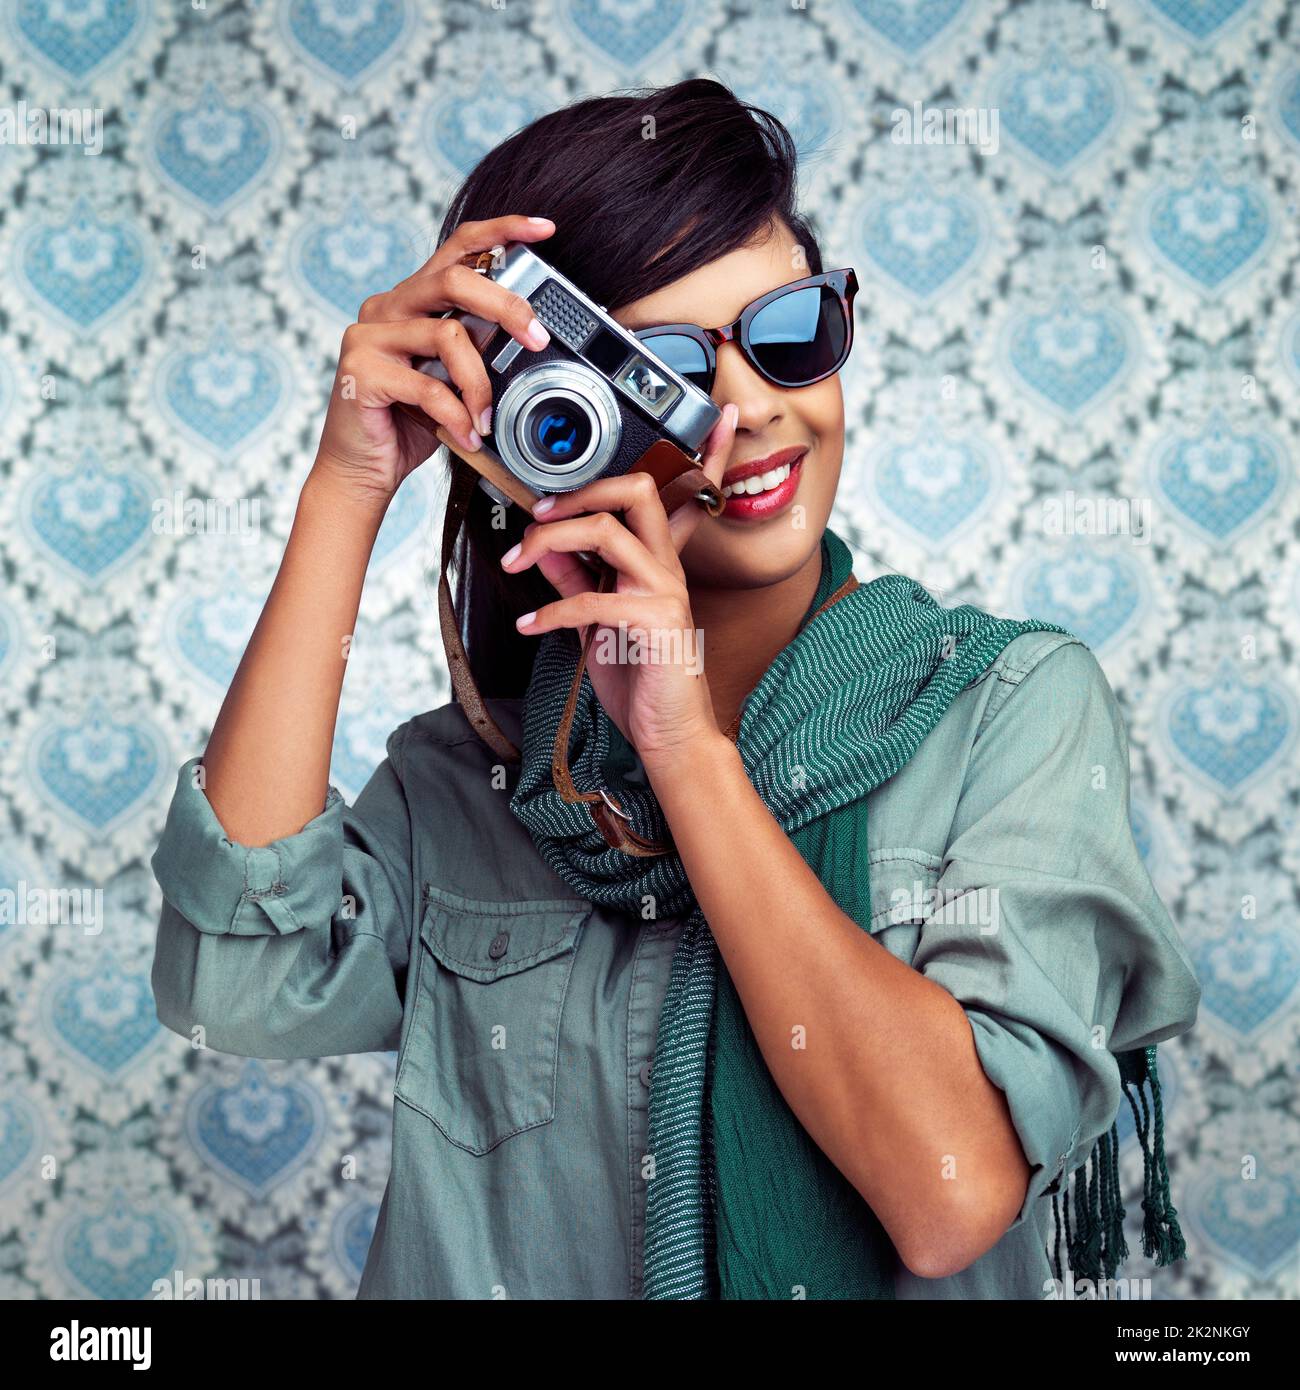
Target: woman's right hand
column 368, row 445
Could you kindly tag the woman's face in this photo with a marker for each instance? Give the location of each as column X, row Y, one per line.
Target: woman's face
column 748, row 546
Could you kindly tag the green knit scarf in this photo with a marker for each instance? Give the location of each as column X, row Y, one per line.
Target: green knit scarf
column 740, row 1202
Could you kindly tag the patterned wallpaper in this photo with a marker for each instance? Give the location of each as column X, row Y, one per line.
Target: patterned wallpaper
column 1076, row 392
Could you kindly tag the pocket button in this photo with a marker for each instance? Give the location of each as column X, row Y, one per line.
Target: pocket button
column 500, row 944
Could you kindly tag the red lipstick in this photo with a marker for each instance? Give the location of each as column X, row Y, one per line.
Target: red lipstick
column 754, row 506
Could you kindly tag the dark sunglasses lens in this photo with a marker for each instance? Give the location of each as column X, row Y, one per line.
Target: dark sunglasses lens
column 684, row 355
column 801, row 336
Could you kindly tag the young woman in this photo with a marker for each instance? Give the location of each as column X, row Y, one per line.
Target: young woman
column 890, row 962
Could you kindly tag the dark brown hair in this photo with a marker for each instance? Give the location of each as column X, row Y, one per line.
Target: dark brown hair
column 643, row 188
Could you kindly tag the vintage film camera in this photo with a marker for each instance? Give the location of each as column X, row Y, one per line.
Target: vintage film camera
column 595, row 402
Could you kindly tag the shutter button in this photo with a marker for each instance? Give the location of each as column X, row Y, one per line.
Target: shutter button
column 645, row 1075
column 499, row 944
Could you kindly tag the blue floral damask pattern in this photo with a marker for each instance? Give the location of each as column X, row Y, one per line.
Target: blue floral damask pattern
column 1076, row 393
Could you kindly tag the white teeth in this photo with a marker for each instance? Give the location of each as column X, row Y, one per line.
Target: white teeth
column 758, row 482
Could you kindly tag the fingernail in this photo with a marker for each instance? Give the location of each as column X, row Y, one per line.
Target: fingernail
column 485, row 421
column 537, row 336
column 525, row 620
column 475, row 442
column 542, row 221
column 511, row 555
column 543, row 505
column 731, row 413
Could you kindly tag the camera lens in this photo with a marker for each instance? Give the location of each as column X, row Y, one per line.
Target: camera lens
column 558, row 431
column 557, row 426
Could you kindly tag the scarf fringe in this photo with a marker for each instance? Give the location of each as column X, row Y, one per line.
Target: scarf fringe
column 1095, row 1244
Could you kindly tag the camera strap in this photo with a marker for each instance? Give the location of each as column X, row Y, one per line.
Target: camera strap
column 463, row 482
column 679, row 480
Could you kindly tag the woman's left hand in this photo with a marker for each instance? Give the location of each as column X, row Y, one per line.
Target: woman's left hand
column 646, row 659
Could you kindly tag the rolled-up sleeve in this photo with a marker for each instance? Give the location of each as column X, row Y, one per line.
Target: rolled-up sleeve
column 1046, row 927
column 298, row 948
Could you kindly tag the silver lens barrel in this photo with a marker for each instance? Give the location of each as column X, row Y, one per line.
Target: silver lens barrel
column 557, row 426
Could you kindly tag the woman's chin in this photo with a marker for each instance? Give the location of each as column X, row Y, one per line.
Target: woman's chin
column 755, row 558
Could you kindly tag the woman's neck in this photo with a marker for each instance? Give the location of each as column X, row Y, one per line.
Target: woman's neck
column 744, row 629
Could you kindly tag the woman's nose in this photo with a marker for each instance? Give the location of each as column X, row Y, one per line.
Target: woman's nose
column 758, row 401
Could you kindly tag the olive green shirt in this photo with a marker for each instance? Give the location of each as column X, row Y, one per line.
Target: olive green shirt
column 421, row 919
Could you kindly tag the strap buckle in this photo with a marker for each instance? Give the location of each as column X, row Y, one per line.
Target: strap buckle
column 615, row 828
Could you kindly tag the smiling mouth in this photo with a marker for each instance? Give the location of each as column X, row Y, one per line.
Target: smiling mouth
column 760, row 493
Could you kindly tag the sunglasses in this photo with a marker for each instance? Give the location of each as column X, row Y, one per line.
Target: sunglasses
column 793, row 336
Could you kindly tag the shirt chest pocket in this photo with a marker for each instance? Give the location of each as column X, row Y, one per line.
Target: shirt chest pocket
column 481, row 1049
